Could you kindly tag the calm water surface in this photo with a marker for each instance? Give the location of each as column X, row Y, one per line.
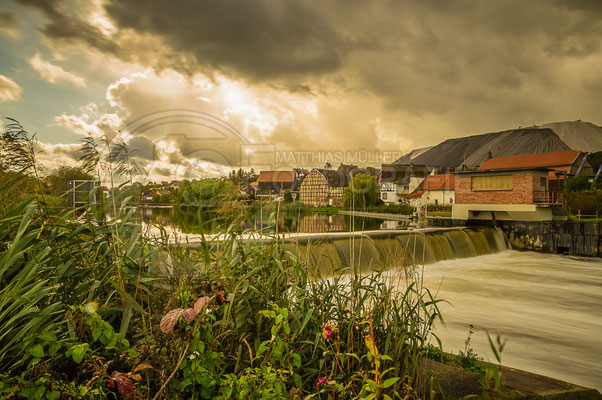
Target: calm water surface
column 548, row 306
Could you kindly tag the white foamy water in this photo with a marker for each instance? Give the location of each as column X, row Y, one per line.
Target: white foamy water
column 549, row 307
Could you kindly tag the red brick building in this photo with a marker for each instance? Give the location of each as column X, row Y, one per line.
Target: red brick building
column 506, row 194
column 560, row 164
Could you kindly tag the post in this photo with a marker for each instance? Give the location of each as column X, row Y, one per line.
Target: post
column 579, row 215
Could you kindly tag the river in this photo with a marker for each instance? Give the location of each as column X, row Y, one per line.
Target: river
column 549, row 307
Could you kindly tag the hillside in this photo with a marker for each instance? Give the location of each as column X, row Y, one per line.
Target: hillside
column 558, row 136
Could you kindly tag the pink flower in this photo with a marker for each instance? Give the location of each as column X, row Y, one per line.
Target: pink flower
column 327, row 332
column 321, row 381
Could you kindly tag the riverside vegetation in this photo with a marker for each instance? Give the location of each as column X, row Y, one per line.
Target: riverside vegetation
column 92, row 307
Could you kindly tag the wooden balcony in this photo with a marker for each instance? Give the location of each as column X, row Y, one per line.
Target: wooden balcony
column 546, row 197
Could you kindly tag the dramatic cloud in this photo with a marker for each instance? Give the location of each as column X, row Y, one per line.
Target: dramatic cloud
column 8, row 24
column 9, row 90
column 329, row 77
column 55, row 74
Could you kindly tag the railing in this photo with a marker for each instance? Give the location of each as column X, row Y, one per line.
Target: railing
column 548, row 198
column 585, row 216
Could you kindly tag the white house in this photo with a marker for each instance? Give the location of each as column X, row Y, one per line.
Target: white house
column 397, row 181
column 435, row 189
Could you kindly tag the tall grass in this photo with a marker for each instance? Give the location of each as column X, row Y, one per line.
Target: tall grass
column 83, row 293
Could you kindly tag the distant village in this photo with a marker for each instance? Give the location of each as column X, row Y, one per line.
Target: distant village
column 522, row 187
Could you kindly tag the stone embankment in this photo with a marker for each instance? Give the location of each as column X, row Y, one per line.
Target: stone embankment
column 556, row 237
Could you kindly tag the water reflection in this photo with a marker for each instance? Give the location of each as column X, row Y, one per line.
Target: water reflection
column 186, row 221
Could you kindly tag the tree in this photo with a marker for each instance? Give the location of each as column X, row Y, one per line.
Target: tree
column 288, row 196
column 577, row 184
column 58, row 179
column 156, row 198
column 206, row 193
column 362, row 193
column 165, row 198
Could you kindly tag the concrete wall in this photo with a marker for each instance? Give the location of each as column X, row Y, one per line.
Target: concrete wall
column 429, row 197
column 555, row 237
column 575, row 238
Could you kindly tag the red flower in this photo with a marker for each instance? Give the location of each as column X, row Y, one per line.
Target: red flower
column 327, row 332
column 321, row 381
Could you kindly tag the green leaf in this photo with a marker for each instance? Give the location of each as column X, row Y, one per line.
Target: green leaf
column 390, row 382
column 37, row 351
column 77, row 352
column 53, row 348
column 48, row 336
column 53, row 395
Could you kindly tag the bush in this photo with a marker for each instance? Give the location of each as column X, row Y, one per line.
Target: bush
column 288, row 196
column 588, row 201
column 577, row 184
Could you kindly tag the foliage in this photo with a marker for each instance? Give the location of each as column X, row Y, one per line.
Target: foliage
column 288, row 196
column 596, row 159
column 242, row 178
column 362, row 193
column 587, row 201
column 82, row 303
column 57, row 180
column 207, row 193
column 577, row 184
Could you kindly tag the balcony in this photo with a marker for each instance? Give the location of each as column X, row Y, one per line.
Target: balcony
column 545, row 197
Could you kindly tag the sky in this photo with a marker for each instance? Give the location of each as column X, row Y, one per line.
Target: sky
column 198, row 87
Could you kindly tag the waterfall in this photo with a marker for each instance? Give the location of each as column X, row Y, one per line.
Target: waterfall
column 369, row 251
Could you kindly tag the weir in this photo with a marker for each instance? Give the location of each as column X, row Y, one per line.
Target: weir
column 331, row 254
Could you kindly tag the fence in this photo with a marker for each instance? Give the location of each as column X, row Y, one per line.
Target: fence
column 579, row 215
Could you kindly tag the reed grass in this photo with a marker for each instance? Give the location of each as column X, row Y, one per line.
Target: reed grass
column 83, row 293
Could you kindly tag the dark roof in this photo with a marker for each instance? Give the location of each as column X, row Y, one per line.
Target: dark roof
column 354, row 170
column 451, row 153
column 401, row 173
column 334, row 178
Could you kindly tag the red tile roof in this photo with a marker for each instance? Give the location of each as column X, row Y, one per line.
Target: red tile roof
column 434, row 182
column 276, row 176
column 554, row 160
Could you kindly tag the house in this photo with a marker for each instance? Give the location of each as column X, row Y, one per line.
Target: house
column 273, row 184
column 434, row 189
column 324, row 187
column 147, row 196
column 560, row 163
column 521, row 194
column 251, row 188
column 397, row 181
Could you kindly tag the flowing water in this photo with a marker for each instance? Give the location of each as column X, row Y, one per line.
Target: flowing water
column 549, row 307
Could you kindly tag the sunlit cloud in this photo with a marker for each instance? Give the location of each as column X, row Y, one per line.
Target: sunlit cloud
column 55, row 74
column 9, row 89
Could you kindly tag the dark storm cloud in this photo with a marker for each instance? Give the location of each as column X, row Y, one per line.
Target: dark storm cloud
column 474, row 65
column 259, row 38
column 142, row 147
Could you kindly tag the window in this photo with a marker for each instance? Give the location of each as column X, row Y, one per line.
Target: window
column 451, row 201
column 486, row 183
column 436, row 201
column 384, row 196
column 542, row 182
